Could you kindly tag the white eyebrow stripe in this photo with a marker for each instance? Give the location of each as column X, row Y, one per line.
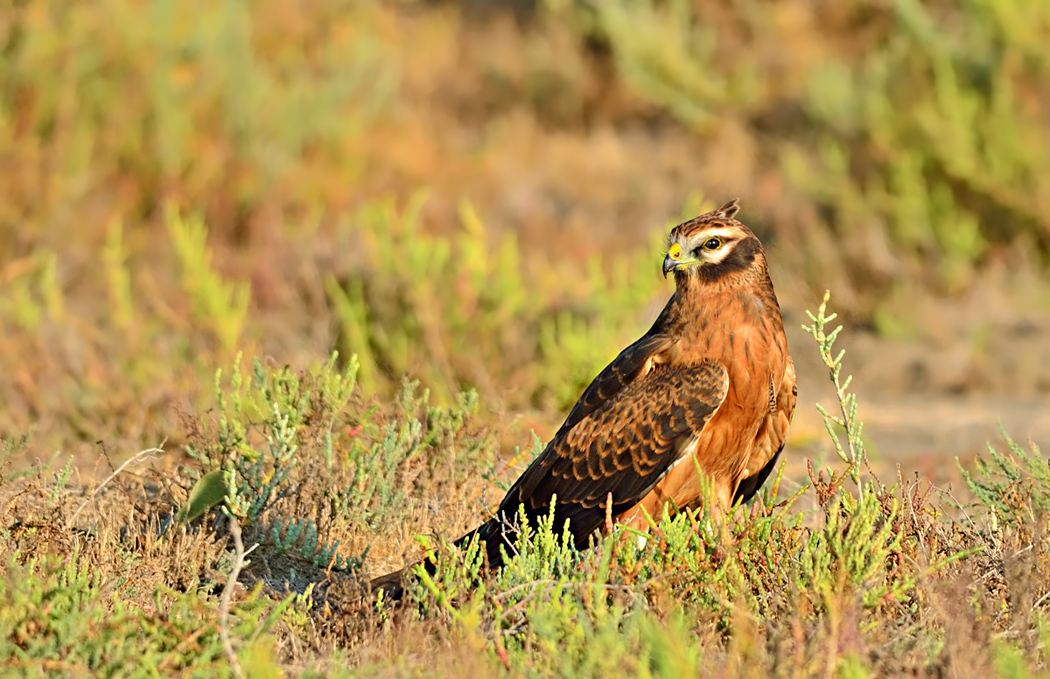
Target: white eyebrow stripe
column 724, row 234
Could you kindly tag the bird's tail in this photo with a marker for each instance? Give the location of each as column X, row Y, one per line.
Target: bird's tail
column 490, row 537
column 392, row 584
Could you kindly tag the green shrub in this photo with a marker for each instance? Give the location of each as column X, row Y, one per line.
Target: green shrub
column 430, row 297
column 917, row 143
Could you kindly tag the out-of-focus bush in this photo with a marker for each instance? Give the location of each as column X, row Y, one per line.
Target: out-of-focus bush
column 240, row 110
column 912, row 134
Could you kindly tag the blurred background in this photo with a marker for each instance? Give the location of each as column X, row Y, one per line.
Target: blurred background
column 475, row 194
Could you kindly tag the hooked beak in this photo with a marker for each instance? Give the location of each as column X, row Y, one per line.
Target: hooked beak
column 670, row 264
column 675, row 259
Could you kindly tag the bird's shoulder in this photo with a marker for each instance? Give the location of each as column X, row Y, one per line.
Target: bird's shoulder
column 626, row 442
column 632, row 364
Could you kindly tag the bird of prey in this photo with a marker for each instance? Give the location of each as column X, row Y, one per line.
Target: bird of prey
column 710, row 382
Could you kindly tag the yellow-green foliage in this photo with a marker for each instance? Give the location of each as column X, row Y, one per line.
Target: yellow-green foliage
column 1012, row 481
column 918, row 128
column 244, row 105
column 220, row 306
column 176, row 190
column 186, row 182
column 825, row 582
column 57, row 621
column 462, row 310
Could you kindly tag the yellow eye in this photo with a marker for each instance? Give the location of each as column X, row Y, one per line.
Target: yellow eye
column 713, row 244
column 675, row 251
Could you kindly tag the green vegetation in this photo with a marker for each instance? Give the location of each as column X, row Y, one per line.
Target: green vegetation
column 258, row 185
column 315, row 486
column 326, row 264
column 915, row 128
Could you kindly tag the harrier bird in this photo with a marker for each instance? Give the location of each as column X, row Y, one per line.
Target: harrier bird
column 711, row 381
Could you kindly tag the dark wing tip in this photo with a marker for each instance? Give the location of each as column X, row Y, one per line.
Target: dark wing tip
column 391, row 584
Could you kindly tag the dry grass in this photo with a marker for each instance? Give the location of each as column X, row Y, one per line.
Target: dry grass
column 476, row 202
column 846, row 576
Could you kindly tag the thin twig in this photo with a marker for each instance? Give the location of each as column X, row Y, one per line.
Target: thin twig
column 227, row 597
column 137, row 457
column 508, row 593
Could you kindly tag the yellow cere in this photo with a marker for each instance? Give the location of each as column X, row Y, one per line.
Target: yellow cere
column 675, row 252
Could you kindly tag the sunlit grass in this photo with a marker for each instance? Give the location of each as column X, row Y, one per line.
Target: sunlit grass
column 179, row 197
column 870, row 578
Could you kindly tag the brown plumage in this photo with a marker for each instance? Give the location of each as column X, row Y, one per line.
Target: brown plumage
column 710, row 380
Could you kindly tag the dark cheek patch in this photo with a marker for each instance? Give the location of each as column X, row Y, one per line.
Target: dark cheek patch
column 742, row 256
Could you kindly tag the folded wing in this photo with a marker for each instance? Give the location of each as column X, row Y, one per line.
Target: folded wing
column 635, row 420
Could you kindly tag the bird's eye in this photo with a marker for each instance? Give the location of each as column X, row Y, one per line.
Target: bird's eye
column 713, row 244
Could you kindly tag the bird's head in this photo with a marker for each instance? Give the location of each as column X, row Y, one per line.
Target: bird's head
column 711, row 246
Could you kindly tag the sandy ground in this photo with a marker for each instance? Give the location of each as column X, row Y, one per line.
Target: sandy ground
column 910, row 418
